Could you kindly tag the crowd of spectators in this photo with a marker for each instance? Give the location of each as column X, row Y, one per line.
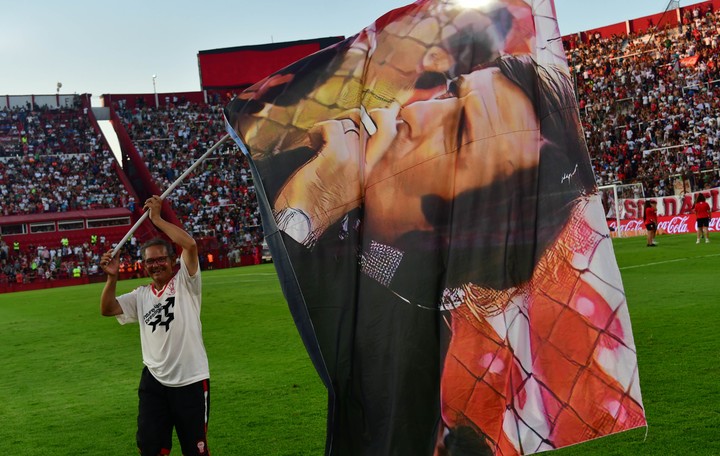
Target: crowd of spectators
column 218, row 199
column 21, row 264
column 650, row 104
column 40, row 130
column 54, row 161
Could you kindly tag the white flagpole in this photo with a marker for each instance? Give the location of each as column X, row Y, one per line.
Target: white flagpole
column 168, row 191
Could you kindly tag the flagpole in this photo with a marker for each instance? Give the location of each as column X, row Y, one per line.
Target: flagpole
column 168, row 191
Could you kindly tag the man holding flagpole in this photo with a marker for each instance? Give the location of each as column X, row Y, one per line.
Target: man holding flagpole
column 174, row 387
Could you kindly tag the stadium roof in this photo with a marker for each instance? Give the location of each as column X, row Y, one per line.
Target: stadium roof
column 242, row 66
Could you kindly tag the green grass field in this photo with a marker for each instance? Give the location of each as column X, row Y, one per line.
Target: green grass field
column 69, row 376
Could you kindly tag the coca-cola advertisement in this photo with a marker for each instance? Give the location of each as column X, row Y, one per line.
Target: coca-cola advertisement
column 677, row 224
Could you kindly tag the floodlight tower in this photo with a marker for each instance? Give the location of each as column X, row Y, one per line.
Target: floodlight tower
column 155, row 92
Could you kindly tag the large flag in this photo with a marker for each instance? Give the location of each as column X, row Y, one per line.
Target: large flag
column 428, row 198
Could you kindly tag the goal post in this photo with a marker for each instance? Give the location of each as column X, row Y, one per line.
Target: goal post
column 611, row 205
column 612, row 196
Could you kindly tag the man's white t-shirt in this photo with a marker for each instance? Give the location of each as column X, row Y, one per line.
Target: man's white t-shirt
column 170, row 328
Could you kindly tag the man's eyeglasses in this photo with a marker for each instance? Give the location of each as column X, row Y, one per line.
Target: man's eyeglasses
column 154, row 261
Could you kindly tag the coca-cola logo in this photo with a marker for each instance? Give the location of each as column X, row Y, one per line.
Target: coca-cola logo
column 627, row 225
column 633, row 225
column 676, row 225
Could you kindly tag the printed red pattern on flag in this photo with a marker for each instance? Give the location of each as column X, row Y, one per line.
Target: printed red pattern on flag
column 561, row 393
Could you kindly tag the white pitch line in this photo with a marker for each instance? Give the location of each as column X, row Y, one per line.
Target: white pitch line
column 245, row 278
column 668, row 261
column 249, row 274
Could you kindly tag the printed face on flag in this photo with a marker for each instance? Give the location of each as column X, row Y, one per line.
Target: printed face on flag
column 428, row 196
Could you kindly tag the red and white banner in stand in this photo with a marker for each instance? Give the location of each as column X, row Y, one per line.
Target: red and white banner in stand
column 675, row 214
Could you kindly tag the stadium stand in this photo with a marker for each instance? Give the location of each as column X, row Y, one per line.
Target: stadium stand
column 60, row 186
column 217, row 203
column 648, row 91
column 650, row 102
